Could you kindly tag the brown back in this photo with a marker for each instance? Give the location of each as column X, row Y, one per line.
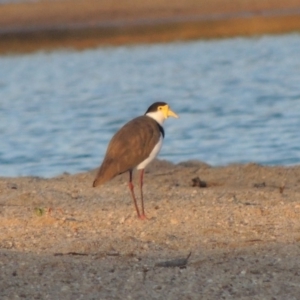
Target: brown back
column 131, row 145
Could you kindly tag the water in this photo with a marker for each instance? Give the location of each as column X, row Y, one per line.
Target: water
column 238, row 101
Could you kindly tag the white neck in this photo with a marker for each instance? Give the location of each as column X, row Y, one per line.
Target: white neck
column 158, row 116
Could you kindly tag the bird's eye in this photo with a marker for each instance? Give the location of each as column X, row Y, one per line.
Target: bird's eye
column 160, row 108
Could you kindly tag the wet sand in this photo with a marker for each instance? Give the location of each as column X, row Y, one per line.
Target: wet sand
column 62, row 239
column 83, row 24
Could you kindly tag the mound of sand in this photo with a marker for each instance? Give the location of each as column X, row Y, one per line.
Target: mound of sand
column 82, row 24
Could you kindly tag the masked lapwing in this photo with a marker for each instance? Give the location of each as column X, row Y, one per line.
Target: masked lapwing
column 135, row 145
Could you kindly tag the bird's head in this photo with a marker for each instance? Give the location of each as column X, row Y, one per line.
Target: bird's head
column 160, row 111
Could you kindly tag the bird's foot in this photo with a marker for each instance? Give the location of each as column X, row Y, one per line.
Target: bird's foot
column 143, row 217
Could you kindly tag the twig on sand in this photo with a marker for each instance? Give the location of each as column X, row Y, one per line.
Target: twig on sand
column 179, row 262
column 71, row 254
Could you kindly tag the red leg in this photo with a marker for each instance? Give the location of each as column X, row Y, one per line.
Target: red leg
column 131, row 187
column 143, row 216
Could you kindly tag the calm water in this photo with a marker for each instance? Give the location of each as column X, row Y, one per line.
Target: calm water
column 238, row 101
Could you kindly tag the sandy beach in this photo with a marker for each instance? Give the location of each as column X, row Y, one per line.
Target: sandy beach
column 62, row 239
column 83, row 24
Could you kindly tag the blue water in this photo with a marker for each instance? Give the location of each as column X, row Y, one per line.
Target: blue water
column 238, row 101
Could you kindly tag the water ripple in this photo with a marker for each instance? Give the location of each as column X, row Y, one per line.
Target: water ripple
column 238, row 101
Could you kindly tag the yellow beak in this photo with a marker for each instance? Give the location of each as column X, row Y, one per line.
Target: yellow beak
column 172, row 114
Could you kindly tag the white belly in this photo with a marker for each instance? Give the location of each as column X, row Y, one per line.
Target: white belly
column 152, row 155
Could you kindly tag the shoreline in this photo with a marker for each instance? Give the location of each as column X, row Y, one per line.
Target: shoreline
column 26, row 27
column 157, row 164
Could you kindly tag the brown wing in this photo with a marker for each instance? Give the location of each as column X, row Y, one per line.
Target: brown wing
column 131, row 145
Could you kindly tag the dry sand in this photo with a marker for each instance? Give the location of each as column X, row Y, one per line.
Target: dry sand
column 62, row 239
column 90, row 23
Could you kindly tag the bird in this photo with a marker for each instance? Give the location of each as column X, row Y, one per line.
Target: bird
column 134, row 146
